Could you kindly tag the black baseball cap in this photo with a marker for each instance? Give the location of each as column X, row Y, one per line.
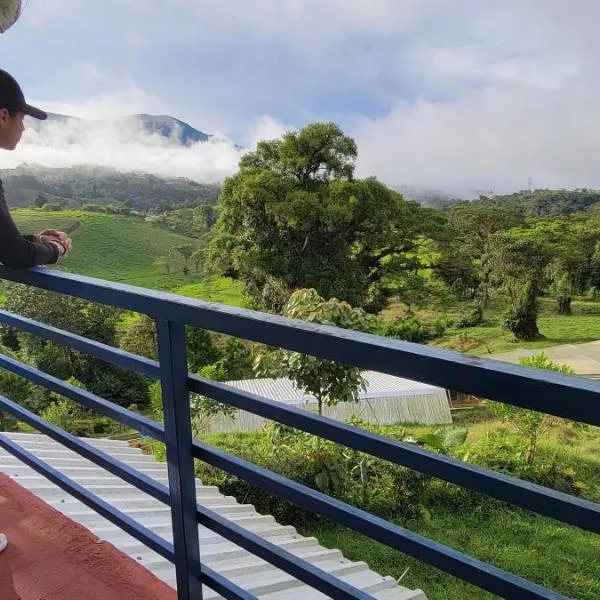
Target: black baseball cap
column 12, row 98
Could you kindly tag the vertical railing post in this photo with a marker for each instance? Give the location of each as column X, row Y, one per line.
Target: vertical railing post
column 178, row 433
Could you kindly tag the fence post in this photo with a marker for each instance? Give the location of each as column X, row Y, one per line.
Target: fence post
column 178, row 433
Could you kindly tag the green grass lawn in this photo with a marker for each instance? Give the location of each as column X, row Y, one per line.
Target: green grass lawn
column 556, row 329
column 557, row 556
column 220, row 289
column 582, row 326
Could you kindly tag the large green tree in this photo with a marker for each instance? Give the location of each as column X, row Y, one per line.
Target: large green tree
column 518, row 261
column 295, row 217
column 327, row 381
column 463, row 255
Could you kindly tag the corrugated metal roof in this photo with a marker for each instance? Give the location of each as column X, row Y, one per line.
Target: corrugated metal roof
column 379, row 385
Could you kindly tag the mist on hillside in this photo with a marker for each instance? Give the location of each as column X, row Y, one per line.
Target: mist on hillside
column 125, row 146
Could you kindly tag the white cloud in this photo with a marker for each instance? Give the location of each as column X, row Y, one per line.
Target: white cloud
column 458, row 95
column 267, row 128
column 129, row 100
column 512, row 95
column 96, row 138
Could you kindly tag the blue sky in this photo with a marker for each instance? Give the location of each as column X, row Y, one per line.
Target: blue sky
column 454, row 95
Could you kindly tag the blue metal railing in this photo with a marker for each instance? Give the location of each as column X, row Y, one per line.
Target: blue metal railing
column 565, row 396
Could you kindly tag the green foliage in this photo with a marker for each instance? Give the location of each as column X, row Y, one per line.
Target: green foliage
column 61, row 413
column 369, row 483
column 200, row 348
column 530, row 424
column 138, row 335
column 102, row 186
column 471, row 317
column 237, row 360
column 51, row 207
column 327, row 381
column 476, row 223
column 18, row 390
column 444, row 440
column 545, row 203
column 91, row 320
column 517, row 261
column 93, row 208
column 156, row 403
column 412, row 329
column 294, row 217
column 112, row 247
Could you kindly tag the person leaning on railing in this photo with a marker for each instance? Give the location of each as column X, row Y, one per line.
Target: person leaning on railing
column 18, row 251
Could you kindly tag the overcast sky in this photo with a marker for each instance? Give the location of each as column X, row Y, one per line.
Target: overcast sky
column 450, row 94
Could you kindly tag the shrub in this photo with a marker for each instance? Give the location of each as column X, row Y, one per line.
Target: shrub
column 412, row 329
column 530, row 424
column 470, row 318
column 369, row 483
column 507, row 453
column 94, row 208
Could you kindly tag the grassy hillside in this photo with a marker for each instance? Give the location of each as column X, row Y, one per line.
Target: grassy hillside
column 111, row 247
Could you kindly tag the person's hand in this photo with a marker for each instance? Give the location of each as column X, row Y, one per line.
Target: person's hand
column 60, row 247
column 50, row 235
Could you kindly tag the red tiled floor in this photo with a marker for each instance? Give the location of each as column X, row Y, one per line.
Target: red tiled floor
column 50, row 557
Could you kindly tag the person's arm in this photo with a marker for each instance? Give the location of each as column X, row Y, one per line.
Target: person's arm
column 16, row 251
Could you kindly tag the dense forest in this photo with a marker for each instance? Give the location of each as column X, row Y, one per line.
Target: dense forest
column 76, row 186
column 543, row 202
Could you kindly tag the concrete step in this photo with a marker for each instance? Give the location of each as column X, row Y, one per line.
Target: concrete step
column 126, row 504
column 105, row 484
column 269, row 531
column 31, row 438
column 74, row 470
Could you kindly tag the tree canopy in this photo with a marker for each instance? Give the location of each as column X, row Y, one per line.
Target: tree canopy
column 295, row 217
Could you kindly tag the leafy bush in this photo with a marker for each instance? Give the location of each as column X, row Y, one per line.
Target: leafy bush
column 470, row 318
column 354, row 477
column 412, row 329
column 507, row 453
column 530, row 424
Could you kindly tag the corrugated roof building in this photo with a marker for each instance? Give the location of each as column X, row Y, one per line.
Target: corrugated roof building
column 387, row 399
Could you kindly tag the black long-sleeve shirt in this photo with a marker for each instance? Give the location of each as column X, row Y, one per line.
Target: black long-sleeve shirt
column 17, row 251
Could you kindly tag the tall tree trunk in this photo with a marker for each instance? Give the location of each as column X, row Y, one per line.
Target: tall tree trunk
column 564, row 305
column 523, row 319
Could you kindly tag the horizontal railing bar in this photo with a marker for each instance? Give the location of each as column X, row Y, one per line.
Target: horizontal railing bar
column 208, row 576
column 278, row 557
column 447, row 559
column 109, row 512
column 115, row 356
column 130, row 475
column 545, row 501
column 553, row 393
column 122, row 415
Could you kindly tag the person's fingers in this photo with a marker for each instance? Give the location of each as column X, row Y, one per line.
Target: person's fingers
column 61, row 235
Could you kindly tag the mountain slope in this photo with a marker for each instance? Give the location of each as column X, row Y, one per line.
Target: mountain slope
column 111, row 247
column 102, row 185
column 174, row 130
